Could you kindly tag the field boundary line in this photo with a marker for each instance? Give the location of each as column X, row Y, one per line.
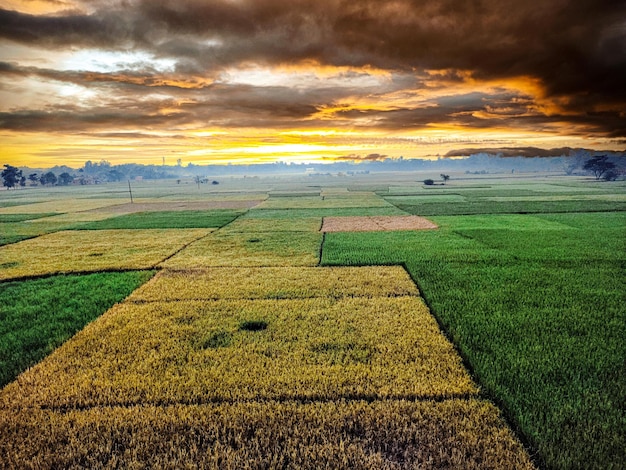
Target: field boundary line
column 186, row 245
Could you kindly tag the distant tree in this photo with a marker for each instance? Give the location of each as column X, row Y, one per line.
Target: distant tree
column 11, row 176
column 215, row 182
column 22, row 181
column 599, row 166
column 65, row 179
column 48, row 178
column 610, row 175
column 444, row 177
column 33, row 179
column 115, row 175
column 429, row 182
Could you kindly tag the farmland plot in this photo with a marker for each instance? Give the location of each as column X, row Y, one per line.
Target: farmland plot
column 452, row 434
column 353, row 200
column 261, row 283
column 98, row 250
column 60, row 206
column 250, row 249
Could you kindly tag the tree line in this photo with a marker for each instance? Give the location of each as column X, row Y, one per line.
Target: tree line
column 13, row 177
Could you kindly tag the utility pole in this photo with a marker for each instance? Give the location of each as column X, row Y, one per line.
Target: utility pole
column 130, row 192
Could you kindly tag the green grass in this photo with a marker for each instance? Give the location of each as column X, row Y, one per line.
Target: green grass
column 38, row 315
column 11, row 218
column 323, row 212
column 486, row 206
column 536, row 306
column 164, row 219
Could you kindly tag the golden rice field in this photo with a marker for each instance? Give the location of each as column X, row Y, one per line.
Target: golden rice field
column 93, row 250
column 276, row 283
column 250, row 249
column 390, row 434
column 197, row 352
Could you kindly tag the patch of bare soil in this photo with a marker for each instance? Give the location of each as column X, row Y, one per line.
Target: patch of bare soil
column 129, row 208
column 378, row 223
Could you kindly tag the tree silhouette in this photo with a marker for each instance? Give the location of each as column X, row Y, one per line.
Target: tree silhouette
column 599, row 166
column 11, row 176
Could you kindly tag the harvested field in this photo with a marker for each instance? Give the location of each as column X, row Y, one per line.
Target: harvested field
column 376, row 223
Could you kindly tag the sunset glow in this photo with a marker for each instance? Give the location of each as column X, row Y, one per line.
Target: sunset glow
column 250, row 81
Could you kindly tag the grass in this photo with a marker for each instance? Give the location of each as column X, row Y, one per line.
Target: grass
column 257, row 213
column 509, row 207
column 526, row 198
column 8, row 218
column 164, row 220
column 37, row 316
column 298, row 224
column 358, row 200
column 537, row 312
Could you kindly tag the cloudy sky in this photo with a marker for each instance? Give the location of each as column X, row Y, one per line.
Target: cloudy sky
column 210, row 81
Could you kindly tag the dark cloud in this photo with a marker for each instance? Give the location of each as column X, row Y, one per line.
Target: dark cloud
column 576, row 49
column 372, row 157
column 529, row 152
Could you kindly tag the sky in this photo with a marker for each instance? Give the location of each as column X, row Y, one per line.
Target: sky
column 249, row 81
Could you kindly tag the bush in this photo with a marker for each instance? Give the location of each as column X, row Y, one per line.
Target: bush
column 429, row 182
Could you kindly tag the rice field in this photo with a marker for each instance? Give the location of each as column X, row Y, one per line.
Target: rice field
column 492, row 340
column 346, row 434
column 93, row 250
column 261, row 283
column 250, row 249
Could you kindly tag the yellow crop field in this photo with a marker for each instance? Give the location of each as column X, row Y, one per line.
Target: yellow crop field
column 250, row 249
column 61, row 206
column 277, row 283
column 251, row 225
column 452, row 434
column 198, row 352
column 320, row 202
column 92, row 250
